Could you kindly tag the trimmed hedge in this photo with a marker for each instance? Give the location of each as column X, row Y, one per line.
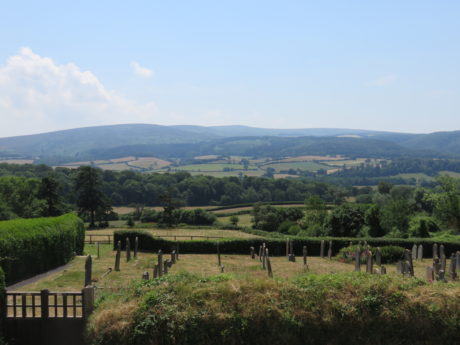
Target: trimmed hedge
column 148, row 242
column 32, row 246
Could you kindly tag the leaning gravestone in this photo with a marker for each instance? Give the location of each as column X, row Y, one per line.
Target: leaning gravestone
column 117, row 256
column 304, row 252
column 370, row 263
column 429, row 274
column 260, row 253
column 441, row 251
column 88, row 270
column 435, row 251
column 321, row 254
column 252, row 252
column 410, row 265
column 443, row 263
column 452, row 267
column 269, row 265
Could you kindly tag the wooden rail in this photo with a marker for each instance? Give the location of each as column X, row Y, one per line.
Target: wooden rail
column 46, row 304
column 92, row 239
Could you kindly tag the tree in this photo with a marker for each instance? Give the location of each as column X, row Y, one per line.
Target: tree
column 49, row 191
column 234, row 220
column 90, row 199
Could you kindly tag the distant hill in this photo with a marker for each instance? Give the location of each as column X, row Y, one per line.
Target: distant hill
column 105, row 142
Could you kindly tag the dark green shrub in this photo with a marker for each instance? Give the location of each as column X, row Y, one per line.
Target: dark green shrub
column 32, row 246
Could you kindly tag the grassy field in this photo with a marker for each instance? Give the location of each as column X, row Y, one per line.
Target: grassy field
column 308, row 166
column 242, row 266
column 243, row 220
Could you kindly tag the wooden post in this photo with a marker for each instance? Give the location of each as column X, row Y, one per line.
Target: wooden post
column 269, row 265
column 128, row 249
column 321, row 253
column 98, row 252
column 218, row 255
column 88, row 270
column 305, row 255
column 88, row 301
column 44, row 303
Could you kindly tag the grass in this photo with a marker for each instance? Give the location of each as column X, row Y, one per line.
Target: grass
column 243, row 220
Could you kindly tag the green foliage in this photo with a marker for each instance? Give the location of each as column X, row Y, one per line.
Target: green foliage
column 277, row 245
column 32, row 246
column 234, row 220
column 346, row 220
column 422, row 225
column 270, row 218
column 390, row 254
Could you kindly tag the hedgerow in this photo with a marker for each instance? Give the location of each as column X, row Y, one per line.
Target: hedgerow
column 277, row 247
column 32, row 246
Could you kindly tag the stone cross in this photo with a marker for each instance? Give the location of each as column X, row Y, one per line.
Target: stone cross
column 378, row 257
column 304, row 252
column 329, row 251
column 420, row 252
column 160, row 263
column 358, row 259
column 117, row 256
column 252, row 252
column 435, row 251
column 128, row 249
column 414, row 252
column 88, row 270
column 136, row 246
column 145, row 275
column 321, row 253
column 269, row 265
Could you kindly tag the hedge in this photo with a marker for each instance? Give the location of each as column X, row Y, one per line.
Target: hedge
column 32, row 246
column 148, row 242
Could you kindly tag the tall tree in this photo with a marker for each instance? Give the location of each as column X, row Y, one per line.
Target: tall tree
column 49, row 191
column 90, row 199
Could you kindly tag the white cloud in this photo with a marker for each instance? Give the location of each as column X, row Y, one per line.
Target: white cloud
column 141, row 71
column 385, row 80
column 37, row 94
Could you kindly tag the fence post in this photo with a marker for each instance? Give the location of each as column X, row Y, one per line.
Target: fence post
column 44, row 303
column 88, row 301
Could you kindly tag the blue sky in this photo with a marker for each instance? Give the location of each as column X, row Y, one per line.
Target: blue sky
column 383, row 65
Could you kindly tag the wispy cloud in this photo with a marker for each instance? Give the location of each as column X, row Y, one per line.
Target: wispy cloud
column 141, row 71
column 37, row 94
column 384, row 80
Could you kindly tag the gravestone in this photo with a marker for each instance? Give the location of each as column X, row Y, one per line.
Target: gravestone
column 177, row 252
column 430, row 274
column 253, row 252
column 453, row 266
column 269, row 265
column 260, row 253
column 435, row 251
column 165, row 267
column 420, row 252
column 321, row 253
column 304, row 252
column 88, row 270
column 378, row 257
column 408, row 258
column 173, row 257
column 155, row 271
column 383, row 270
column 414, row 252
column 291, row 247
column 358, row 259
column 441, row 251
column 443, row 263
column 222, row 267
column 436, row 267
column 128, row 249
column 145, row 276
column 329, row 251
column 370, row 263
column 136, row 246
column 399, row 267
column 458, row 261
column 160, row 263
column 263, row 256
column 98, row 252
column 218, row 255
column 117, row 256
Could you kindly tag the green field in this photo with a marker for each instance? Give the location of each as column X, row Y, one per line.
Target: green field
column 212, row 167
column 306, row 166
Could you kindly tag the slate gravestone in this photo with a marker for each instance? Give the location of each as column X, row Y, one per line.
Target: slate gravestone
column 321, row 254
column 420, row 252
column 435, row 251
column 145, row 276
column 410, row 267
column 117, row 256
column 453, row 266
column 458, row 261
column 358, row 259
column 378, row 257
column 88, row 270
column 252, row 252
column 136, row 246
column 329, row 251
column 370, row 263
column 436, row 267
column 160, row 263
column 414, row 252
column 128, row 249
column 291, row 247
column 304, row 252
column 155, row 271
column 173, row 257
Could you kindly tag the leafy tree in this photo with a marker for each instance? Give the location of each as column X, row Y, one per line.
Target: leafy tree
column 372, row 220
column 90, row 199
column 49, row 191
column 234, row 220
column 346, row 220
column 447, row 202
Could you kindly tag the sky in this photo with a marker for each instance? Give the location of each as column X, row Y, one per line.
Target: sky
column 380, row 65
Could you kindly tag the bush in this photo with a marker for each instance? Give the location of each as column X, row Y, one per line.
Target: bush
column 32, row 246
column 277, row 246
column 421, row 226
column 390, row 254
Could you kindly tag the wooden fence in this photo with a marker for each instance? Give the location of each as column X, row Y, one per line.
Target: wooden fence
column 103, row 239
